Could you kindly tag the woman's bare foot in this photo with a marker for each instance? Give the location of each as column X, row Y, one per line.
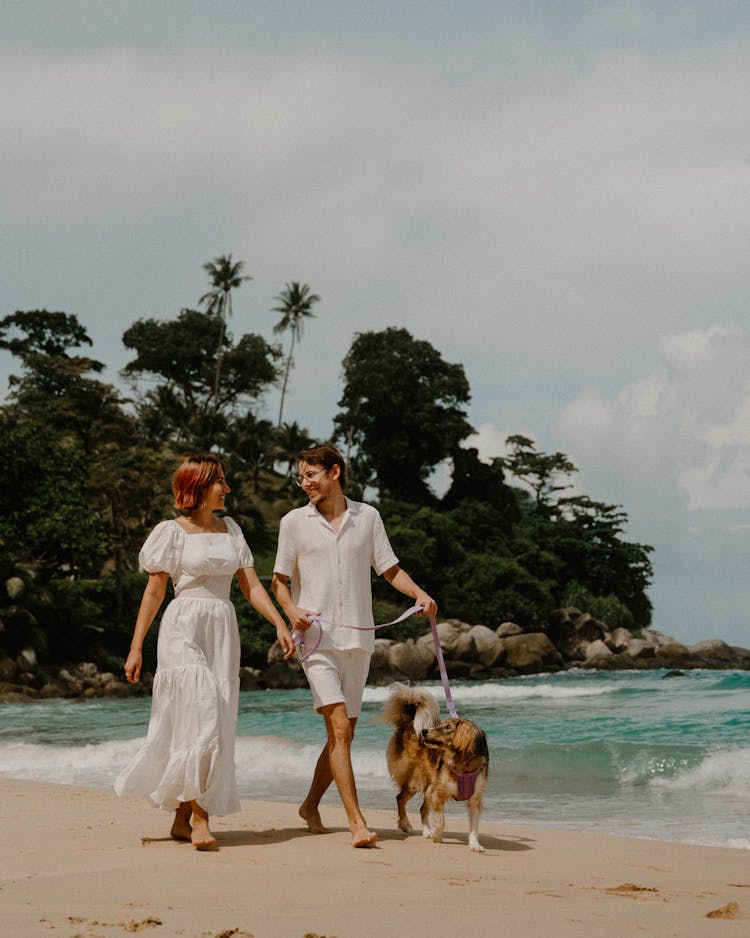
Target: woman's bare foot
column 311, row 817
column 363, row 837
column 181, row 829
column 202, row 838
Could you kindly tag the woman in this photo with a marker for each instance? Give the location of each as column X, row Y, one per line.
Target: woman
column 187, row 762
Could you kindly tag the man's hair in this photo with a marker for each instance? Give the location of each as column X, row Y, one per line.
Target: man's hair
column 325, row 455
column 193, row 477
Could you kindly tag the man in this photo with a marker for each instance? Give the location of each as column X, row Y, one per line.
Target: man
column 323, row 561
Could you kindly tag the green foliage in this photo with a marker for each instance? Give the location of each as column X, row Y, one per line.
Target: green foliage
column 402, row 408
column 85, row 479
column 186, row 406
column 607, row 609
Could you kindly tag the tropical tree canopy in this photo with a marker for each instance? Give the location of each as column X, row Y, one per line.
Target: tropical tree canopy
column 403, row 408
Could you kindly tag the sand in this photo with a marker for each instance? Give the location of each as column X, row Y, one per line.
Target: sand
column 81, row 862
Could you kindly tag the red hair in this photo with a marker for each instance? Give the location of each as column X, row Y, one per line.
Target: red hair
column 192, row 479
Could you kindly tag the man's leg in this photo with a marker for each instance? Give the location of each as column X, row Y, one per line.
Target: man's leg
column 335, row 764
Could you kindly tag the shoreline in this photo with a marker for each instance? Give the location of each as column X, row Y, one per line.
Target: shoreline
column 86, row 864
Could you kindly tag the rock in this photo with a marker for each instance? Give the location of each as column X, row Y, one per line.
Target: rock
column 284, row 676
column 529, row 654
column 7, row 669
column 596, row 650
column 508, row 628
column 638, row 649
column 16, row 693
column 487, row 644
column 251, row 679
column 27, row 660
column 410, row 660
column 87, row 669
column 673, row 655
column 713, row 653
column 380, row 669
column 589, row 628
column 619, row 639
column 454, row 638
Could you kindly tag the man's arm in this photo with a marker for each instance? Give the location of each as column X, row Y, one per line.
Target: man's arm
column 401, row 581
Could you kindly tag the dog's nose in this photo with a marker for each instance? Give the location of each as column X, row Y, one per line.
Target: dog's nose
column 425, row 732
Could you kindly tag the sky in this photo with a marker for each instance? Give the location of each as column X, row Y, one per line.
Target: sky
column 554, row 195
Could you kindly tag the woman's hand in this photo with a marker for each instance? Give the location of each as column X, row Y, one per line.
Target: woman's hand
column 285, row 640
column 133, row 665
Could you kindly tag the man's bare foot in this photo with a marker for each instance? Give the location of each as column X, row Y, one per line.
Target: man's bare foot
column 311, row 817
column 363, row 838
column 181, row 829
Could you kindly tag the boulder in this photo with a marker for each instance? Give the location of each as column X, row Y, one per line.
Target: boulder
column 27, row 660
column 596, row 650
column 589, row 628
column 455, row 639
column 713, row 652
column 529, row 654
column 487, row 644
column 638, row 649
column 380, row 669
column 673, row 655
column 619, row 639
column 411, row 660
column 508, row 628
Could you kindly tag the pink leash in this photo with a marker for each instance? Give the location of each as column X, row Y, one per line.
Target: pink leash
column 299, row 641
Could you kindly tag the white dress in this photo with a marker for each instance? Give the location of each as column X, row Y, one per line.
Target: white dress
column 189, row 749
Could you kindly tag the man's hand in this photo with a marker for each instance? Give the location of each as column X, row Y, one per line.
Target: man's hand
column 429, row 606
column 300, row 618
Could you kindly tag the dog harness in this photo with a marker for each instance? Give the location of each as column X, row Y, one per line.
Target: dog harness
column 466, row 781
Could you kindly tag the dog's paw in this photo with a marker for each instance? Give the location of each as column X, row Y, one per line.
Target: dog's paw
column 405, row 826
column 475, row 845
column 427, row 832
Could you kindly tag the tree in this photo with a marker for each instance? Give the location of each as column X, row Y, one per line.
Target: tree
column 540, row 471
column 185, row 406
column 225, row 277
column 289, row 440
column 403, row 408
column 296, row 303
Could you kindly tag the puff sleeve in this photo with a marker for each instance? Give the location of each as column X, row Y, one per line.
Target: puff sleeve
column 162, row 550
column 244, row 553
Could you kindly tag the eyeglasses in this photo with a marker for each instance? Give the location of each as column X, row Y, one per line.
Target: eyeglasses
column 308, row 477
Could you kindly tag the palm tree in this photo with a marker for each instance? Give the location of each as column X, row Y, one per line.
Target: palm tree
column 225, row 277
column 296, row 303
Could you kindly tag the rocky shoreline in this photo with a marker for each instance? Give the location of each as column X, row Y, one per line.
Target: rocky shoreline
column 573, row 639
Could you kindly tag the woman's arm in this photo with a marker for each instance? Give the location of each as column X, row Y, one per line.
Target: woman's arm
column 256, row 595
column 153, row 597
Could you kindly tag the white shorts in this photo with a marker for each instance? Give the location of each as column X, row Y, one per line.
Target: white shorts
column 338, row 676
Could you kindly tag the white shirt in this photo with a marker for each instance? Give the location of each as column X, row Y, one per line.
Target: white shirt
column 329, row 571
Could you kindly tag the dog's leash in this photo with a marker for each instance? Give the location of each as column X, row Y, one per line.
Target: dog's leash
column 299, row 641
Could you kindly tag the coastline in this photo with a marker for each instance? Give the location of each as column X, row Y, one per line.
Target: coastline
column 82, row 863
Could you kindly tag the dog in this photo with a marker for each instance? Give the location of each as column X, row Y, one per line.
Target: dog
column 444, row 761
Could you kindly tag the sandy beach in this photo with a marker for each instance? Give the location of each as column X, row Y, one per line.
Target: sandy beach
column 81, row 863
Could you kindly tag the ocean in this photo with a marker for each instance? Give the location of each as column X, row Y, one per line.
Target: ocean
column 634, row 753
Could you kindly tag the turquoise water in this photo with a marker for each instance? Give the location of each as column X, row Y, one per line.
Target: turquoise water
column 632, row 753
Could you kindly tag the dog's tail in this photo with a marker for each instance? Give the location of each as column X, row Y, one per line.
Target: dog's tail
column 411, row 705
